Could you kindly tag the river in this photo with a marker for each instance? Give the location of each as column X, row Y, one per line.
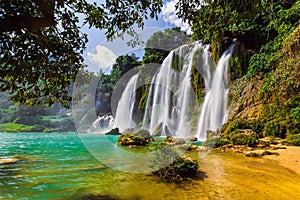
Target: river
column 58, row 166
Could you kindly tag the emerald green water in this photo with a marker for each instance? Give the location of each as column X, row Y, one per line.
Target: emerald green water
column 58, row 166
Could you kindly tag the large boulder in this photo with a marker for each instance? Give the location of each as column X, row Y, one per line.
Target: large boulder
column 128, row 139
column 144, row 134
column 172, row 140
column 114, row 131
column 140, row 137
column 141, row 133
column 182, row 167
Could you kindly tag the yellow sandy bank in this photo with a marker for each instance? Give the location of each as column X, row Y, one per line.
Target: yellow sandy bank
column 288, row 158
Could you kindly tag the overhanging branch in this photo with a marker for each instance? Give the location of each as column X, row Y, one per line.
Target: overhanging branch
column 19, row 22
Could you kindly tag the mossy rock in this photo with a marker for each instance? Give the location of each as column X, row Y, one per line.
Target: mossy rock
column 240, row 138
column 141, row 133
column 260, row 153
column 128, row 139
column 182, row 167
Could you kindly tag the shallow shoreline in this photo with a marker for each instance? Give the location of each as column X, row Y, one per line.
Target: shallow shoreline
column 288, row 158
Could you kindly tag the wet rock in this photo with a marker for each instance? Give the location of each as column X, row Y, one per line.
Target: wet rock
column 132, row 146
column 114, row 131
column 97, row 197
column 128, row 130
column 260, row 153
column 143, row 134
column 210, row 134
column 178, row 141
column 128, row 139
column 158, row 130
column 182, row 167
column 193, row 148
column 10, row 160
column 193, row 139
column 161, row 130
column 169, row 140
column 174, row 141
column 277, row 147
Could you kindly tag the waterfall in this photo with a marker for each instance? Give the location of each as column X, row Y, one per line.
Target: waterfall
column 170, row 93
column 214, row 109
column 171, row 98
column 123, row 117
column 102, row 124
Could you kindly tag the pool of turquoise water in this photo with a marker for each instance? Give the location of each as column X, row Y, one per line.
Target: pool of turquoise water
column 59, row 166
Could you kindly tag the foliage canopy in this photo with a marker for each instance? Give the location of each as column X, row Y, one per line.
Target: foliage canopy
column 42, row 42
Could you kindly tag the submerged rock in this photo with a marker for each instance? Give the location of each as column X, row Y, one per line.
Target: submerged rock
column 10, row 160
column 97, row 197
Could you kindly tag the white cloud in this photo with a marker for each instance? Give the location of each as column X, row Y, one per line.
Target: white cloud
column 169, row 16
column 101, row 58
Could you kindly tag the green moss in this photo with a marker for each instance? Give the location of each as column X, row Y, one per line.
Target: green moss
column 128, row 139
column 13, row 127
column 143, row 98
column 237, row 138
column 230, row 127
column 169, row 166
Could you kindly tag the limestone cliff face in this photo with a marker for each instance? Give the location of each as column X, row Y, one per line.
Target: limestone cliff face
column 245, row 99
column 273, row 96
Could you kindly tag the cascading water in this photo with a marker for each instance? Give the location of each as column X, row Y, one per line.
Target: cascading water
column 102, row 124
column 214, row 109
column 123, row 117
column 169, row 98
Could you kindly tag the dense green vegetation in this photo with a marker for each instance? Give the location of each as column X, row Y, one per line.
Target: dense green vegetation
column 169, row 165
column 267, row 101
column 267, row 52
column 42, row 42
column 22, row 118
column 108, row 82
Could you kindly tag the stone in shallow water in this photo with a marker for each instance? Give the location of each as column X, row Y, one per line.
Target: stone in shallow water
column 193, row 139
column 128, row 139
column 97, row 197
column 10, row 160
column 114, row 131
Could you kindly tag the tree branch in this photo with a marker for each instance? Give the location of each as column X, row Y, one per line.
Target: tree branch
column 16, row 23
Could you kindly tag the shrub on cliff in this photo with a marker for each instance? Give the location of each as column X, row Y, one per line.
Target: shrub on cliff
column 294, row 139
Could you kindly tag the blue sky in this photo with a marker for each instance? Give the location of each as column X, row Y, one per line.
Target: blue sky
column 100, row 54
